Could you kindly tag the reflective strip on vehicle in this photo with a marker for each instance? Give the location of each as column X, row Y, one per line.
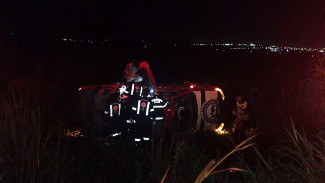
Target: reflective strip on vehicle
column 151, row 110
column 119, row 109
column 134, row 108
column 128, row 121
column 137, row 140
column 147, row 111
column 138, row 107
column 159, row 118
column 146, row 138
column 106, row 112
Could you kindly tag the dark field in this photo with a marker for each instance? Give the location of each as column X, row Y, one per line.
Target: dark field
column 39, row 96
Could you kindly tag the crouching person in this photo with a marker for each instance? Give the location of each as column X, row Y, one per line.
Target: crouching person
column 242, row 116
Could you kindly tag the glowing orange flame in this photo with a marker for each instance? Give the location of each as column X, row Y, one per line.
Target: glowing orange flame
column 74, row 133
column 220, row 130
column 221, row 92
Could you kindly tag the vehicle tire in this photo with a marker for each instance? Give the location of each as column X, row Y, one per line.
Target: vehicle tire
column 211, row 111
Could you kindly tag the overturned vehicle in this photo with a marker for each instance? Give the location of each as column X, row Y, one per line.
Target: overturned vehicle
column 145, row 109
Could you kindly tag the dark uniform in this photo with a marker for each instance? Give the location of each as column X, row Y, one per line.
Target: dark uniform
column 140, row 118
column 159, row 105
column 113, row 118
column 133, row 93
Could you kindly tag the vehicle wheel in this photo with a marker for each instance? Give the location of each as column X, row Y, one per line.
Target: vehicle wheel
column 211, row 111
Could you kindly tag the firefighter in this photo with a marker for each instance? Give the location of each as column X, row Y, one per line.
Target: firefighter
column 133, row 93
column 130, row 72
column 140, row 118
column 159, row 104
column 134, row 89
column 113, row 118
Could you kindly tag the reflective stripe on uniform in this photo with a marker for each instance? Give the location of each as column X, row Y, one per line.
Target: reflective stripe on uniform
column 147, row 111
column 115, row 134
column 140, row 91
column 146, row 138
column 137, row 140
column 119, row 109
column 157, row 100
column 132, row 90
column 159, row 118
column 161, row 106
column 138, row 107
column 111, row 110
column 123, row 90
column 106, row 112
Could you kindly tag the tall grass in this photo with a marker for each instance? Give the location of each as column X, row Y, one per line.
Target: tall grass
column 295, row 155
column 31, row 152
column 33, row 148
column 126, row 162
column 312, row 95
column 299, row 159
column 210, row 169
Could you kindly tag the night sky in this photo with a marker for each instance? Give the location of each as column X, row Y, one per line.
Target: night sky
column 281, row 22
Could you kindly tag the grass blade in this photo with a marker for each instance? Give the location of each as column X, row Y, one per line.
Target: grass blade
column 163, row 179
